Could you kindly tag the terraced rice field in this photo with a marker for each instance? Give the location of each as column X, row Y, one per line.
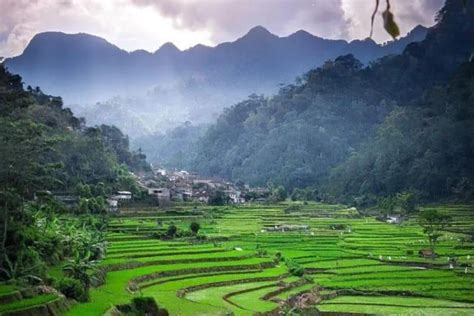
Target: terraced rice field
column 366, row 267
column 17, row 301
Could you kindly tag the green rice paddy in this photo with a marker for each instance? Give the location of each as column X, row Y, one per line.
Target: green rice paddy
column 367, row 267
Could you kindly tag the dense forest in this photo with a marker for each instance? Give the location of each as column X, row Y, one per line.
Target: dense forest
column 348, row 129
column 46, row 150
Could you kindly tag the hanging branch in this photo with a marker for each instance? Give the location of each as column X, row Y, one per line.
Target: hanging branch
column 373, row 17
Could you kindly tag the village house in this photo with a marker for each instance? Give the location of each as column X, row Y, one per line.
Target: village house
column 234, row 196
column 66, row 198
column 206, row 182
column 260, row 191
column 159, row 171
column 182, row 195
column 394, row 219
column 201, row 196
column 162, row 195
column 123, row 195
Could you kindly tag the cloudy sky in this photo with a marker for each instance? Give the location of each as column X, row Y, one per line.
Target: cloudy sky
column 147, row 24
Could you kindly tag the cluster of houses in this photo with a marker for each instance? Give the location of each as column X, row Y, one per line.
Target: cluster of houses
column 165, row 187
column 182, row 186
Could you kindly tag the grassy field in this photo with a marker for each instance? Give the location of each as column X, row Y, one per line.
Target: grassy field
column 351, row 263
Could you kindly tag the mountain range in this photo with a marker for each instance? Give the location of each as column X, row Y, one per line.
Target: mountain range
column 142, row 92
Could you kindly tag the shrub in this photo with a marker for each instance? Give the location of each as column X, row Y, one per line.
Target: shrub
column 261, row 252
column 201, row 237
column 172, row 230
column 194, row 227
column 410, row 252
column 278, row 258
column 338, row 226
column 308, row 279
column 72, row 288
column 294, row 268
column 292, row 208
column 142, row 306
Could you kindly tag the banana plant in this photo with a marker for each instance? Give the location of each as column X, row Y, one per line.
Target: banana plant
column 81, row 268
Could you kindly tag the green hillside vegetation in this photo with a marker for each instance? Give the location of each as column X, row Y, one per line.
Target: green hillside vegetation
column 426, row 148
column 44, row 147
column 402, row 123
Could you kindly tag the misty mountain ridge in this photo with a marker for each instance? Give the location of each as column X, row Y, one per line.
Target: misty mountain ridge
column 193, row 84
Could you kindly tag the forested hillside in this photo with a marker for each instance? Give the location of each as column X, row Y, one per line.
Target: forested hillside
column 174, row 148
column 45, row 147
column 296, row 137
column 427, row 148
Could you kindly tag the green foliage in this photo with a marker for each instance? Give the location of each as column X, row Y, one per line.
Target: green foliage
column 194, row 227
column 293, row 138
column 142, row 306
column 425, row 149
column 172, row 231
column 278, row 257
column 294, row 268
column 261, row 252
column 25, row 267
column 175, row 148
column 217, row 197
column 279, row 194
column 81, row 268
column 73, row 289
column 293, row 208
column 35, row 133
column 403, row 203
column 433, row 223
column 339, row 226
column 307, row 194
column 91, row 205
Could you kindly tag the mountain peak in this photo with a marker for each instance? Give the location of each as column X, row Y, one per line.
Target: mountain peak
column 60, row 36
column 259, row 32
column 418, row 31
column 45, row 42
column 169, row 48
column 302, row 34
